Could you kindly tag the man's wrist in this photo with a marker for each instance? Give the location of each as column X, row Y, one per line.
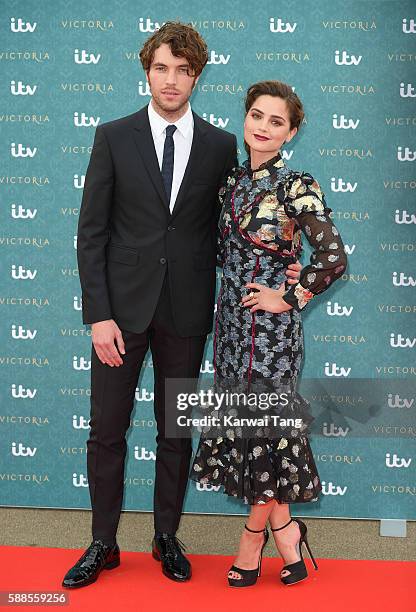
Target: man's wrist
column 103, row 321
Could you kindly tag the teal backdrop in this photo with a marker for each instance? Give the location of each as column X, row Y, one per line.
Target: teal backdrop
column 67, row 66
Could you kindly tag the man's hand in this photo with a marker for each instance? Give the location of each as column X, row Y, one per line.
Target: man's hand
column 105, row 336
column 293, row 272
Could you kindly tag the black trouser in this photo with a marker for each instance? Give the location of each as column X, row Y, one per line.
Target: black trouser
column 112, row 400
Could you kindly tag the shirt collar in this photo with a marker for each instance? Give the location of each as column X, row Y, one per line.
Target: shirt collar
column 158, row 124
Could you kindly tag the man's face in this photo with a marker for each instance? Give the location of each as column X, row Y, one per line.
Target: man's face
column 170, row 79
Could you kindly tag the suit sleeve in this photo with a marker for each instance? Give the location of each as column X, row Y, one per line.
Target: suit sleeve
column 93, row 231
column 306, row 203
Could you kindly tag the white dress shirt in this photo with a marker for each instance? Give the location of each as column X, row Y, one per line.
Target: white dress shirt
column 182, row 139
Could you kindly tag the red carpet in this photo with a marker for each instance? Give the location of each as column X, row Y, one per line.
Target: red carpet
column 138, row 584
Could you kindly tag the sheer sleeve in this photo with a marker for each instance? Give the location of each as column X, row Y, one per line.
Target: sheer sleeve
column 305, row 202
column 223, row 200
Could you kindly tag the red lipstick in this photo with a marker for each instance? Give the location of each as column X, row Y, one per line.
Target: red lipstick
column 262, row 138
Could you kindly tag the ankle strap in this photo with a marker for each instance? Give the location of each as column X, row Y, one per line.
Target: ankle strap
column 279, row 528
column 252, row 530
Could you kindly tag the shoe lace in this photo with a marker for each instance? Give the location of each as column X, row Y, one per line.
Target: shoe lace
column 94, row 550
column 172, row 544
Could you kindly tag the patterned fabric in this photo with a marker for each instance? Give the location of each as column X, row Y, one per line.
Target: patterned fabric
column 263, row 213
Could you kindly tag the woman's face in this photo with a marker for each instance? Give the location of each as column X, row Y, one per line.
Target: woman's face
column 267, row 125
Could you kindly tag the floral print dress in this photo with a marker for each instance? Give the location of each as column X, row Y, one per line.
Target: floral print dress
column 263, row 214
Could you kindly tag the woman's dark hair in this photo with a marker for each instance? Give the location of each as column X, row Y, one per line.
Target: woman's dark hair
column 183, row 40
column 277, row 89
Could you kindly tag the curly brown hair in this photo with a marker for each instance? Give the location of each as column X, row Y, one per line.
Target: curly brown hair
column 183, row 40
column 277, row 89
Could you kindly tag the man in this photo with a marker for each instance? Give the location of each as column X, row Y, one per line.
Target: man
column 147, row 259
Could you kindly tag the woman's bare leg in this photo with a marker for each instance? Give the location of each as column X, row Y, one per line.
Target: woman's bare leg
column 286, row 538
column 251, row 543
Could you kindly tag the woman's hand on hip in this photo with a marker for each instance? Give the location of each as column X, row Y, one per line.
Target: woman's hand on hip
column 265, row 298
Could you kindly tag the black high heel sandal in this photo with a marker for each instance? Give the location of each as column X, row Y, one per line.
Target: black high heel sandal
column 249, row 577
column 298, row 569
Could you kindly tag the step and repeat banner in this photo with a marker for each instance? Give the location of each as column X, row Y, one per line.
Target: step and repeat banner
column 67, row 67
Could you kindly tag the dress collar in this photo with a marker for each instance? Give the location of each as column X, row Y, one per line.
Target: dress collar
column 266, row 168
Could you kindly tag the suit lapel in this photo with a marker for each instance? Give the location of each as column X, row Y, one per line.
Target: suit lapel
column 194, row 161
column 144, row 142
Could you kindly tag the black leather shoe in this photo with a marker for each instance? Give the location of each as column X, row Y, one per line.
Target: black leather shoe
column 86, row 570
column 168, row 549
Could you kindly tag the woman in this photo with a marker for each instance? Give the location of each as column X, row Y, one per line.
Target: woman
column 259, row 336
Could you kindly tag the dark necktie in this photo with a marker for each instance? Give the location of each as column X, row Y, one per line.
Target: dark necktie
column 167, row 163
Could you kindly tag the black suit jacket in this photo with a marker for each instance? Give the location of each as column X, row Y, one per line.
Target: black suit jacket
column 127, row 235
